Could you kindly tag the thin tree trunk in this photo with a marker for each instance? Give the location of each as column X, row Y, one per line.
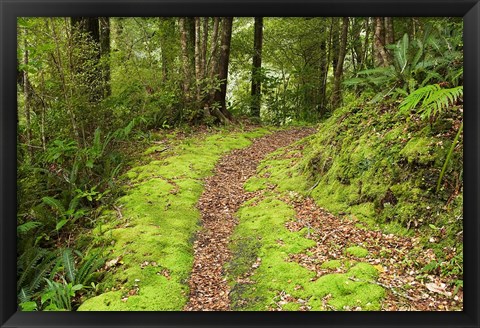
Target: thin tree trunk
column 337, row 92
column 220, row 95
column 167, row 24
column 334, row 41
column 105, row 54
column 191, row 41
column 389, row 31
column 365, row 46
column 185, row 59
column 381, row 57
column 257, row 67
column 389, row 36
column 357, row 42
column 198, row 58
column 27, row 97
column 323, row 77
column 211, row 72
column 204, row 48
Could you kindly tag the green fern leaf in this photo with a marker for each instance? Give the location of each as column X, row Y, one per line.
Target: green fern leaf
column 54, row 203
column 69, row 264
column 28, row 226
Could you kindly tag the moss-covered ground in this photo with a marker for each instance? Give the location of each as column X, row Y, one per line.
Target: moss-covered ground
column 263, row 278
column 370, row 165
column 151, row 231
column 382, row 168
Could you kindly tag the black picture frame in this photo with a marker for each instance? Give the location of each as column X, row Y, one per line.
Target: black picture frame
column 11, row 9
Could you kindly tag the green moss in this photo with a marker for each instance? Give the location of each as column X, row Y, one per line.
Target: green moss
column 257, row 236
column 346, row 293
column 332, row 264
column 291, row 307
column 418, row 150
column 357, row 251
column 256, row 249
column 255, row 184
column 158, row 221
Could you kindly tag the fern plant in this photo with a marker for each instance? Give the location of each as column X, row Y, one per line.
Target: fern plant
column 83, row 273
column 433, row 99
column 33, row 266
column 58, row 295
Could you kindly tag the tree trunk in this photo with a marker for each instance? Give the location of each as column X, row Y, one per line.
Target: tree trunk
column 357, row 44
column 90, row 27
column 381, row 57
column 203, row 59
column 220, row 95
column 323, row 78
column 27, row 97
column 257, row 67
column 167, row 25
column 191, row 41
column 211, row 70
column 334, row 41
column 337, row 92
column 185, row 59
column 198, row 58
column 389, row 31
column 105, row 54
column 365, row 45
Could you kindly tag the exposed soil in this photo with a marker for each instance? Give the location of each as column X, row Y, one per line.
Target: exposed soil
column 222, row 196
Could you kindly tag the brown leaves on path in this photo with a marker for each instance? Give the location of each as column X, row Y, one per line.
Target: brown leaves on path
column 222, row 196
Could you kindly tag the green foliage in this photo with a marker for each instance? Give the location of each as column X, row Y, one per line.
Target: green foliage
column 49, row 280
column 433, row 99
column 431, row 58
column 58, row 295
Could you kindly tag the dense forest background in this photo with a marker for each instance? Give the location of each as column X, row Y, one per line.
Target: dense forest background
column 94, row 90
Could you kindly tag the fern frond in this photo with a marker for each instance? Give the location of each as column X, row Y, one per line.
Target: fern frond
column 54, row 203
column 97, row 144
column 88, row 267
column 27, row 264
column 28, row 226
column 25, row 295
column 433, row 99
column 42, row 271
column 69, row 264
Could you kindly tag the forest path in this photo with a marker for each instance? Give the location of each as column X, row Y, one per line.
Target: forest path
column 222, row 196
